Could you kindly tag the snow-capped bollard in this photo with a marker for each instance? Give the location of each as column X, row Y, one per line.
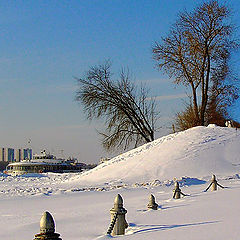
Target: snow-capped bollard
column 214, row 184
column 152, row 204
column 118, row 221
column 177, row 191
column 47, row 228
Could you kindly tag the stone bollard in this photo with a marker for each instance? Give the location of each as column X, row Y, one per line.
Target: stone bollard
column 118, row 221
column 177, row 191
column 152, row 204
column 47, row 228
column 214, row 184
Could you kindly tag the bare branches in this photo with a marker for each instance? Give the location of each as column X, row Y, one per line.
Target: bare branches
column 197, row 50
column 128, row 113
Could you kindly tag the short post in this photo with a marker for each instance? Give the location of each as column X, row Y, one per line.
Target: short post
column 118, row 221
column 177, row 191
column 47, row 228
column 214, row 184
column 152, row 204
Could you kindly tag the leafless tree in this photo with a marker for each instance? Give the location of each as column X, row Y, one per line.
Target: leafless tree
column 128, row 113
column 196, row 53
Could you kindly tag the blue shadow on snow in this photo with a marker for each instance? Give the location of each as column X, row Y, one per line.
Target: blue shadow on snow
column 153, row 228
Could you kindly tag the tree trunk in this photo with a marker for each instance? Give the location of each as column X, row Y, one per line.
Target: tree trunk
column 195, row 104
column 205, row 94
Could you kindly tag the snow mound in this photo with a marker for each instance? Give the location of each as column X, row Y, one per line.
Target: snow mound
column 199, row 151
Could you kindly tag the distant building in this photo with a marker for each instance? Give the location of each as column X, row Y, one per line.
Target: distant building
column 6, row 154
column 9, row 154
column 26, row 154
column 2, row 154
column 18, row 155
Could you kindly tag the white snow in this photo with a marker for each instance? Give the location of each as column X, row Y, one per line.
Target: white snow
column 199, row 151
column 80, row 203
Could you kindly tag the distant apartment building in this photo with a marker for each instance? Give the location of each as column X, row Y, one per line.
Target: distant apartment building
column 7, row 154
column 2, row 154
column 11, row 155
column 18, row 155
column 26, row 154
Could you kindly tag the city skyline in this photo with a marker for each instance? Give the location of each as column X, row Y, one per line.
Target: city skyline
column 8, row 154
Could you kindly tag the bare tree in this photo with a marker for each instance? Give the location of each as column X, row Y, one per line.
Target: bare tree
column 128, row 113
column 196, row 53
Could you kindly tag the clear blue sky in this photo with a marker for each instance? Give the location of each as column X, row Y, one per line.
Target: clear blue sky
column 44, row 44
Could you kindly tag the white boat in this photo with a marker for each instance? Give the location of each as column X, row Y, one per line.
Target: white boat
column 42, row 163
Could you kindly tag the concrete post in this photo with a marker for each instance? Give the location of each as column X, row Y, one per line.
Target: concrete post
column 47, row 228
column 152, row 204
column 120, row 222
column 177, row 191
column 214, row 183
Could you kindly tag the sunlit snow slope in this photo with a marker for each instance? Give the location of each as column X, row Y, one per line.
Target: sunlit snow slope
column 199, row 151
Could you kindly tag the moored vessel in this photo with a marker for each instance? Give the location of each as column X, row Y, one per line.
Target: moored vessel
column 42, row 163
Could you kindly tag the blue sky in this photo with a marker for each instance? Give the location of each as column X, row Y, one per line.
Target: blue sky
column 45, row 44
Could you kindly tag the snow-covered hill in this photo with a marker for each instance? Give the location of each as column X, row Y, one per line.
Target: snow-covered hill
column 80, row 203
column 194, row 154
column 199, row 151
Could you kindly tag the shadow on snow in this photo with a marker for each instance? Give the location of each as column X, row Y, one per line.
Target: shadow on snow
column 152, row 228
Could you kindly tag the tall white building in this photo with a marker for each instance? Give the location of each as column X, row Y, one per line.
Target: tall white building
column 2, row 154
column 26, row 153
column 18, row 155
column 11, row 155
column 7, row 154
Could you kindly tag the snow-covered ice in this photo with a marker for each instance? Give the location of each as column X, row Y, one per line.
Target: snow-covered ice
column 80, row 203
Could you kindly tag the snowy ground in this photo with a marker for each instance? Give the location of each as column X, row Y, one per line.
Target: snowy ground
column 85, row 215
column 80, row 203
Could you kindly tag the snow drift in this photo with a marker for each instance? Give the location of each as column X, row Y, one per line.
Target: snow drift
column 199, row 151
